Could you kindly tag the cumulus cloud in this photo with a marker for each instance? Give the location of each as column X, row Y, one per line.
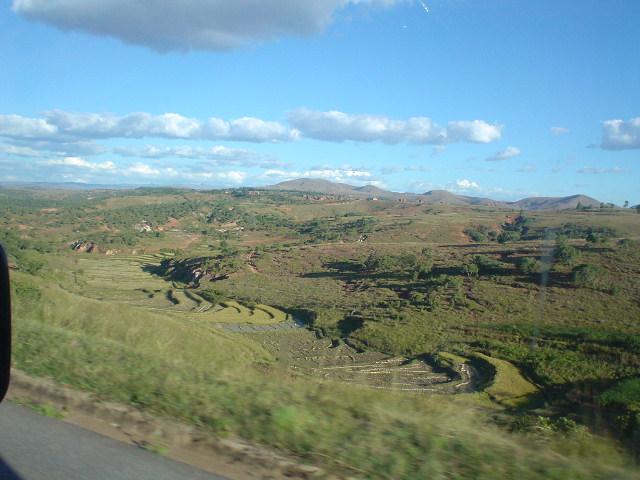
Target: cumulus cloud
column 339, row 126
column 63, row 126
column 466, row 184
column 144, row 169
column 217, row 155
column 78, row 162
column 79, row 169
column 621, row 134
column 26, row 147
column 19, row 151
column 189, row 25
column 326, row 173
column 186, row 174
column 81, row 129
column 24, row 127
column 507, row 153
column 559, row 130
column 475, row 131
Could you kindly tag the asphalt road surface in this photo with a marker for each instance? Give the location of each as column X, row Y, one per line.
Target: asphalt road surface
column 35, row 447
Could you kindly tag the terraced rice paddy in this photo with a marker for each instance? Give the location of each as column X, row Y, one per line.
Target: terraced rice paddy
column 304, row 354
column 129, row 279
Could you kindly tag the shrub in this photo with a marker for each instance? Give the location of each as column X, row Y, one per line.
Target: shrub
column 508, row 236
column 470, row 270
column 379, row 263
column 528, row 266
column 417, row 298
column 487, row 264
column 565, row 253
column 475, row 235
column 588, row 275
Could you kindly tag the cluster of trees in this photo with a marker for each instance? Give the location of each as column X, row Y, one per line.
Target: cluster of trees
column 28, row 254
column 529, row 266
column 419, row 265
column 603, row 206
column 510, row 231
column 514, row 231
column 573, row 230
column 480, row 233
column 440, row 290
column 155, row 214
column 224, row 264
column 327, row 230
column 564, row 253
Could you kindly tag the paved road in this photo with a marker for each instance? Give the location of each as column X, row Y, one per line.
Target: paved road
column 34, row 447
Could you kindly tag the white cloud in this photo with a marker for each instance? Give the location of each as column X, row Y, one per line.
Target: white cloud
column 475, row 131
column 145, row 170
column 559, row 130
column 18, row 151
column 26, row 147
column 327, row 173
column 234, row 176
column 78, row 130
column 339, row 126
column 250, row 129
column 507, row 153
column 217, row 155
column 78, row 162
column 24, row 127
column 620, row 134
column 186, row 25
column 465, row 184
column 74, row 127
column 185, row 174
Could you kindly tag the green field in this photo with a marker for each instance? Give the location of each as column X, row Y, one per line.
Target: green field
column 424, row 353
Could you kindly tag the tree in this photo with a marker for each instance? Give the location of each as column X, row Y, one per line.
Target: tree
column 565, row 253
column 408, row 260
column 470, row 270
column 509, row 236
column 593, row 238
column 475, row 234
column 589, row 276
column 379, row 263
column 423, row 265
column 527, row 265
column 626, row 204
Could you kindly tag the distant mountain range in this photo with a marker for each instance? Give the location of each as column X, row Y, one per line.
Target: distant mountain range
column 442, row 197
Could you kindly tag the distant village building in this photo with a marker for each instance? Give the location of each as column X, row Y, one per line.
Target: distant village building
column 143, row 227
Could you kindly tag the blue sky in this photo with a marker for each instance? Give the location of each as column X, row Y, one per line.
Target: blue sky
column 498, row 98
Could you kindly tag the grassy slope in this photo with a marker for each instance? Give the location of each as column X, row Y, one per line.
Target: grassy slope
column 197, row 374
column 173, row 364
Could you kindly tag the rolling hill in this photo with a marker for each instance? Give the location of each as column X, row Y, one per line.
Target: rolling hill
column 442, row 197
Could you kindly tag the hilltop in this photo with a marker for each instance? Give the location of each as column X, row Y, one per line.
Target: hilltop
column 443, row 197
column 325, row 187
